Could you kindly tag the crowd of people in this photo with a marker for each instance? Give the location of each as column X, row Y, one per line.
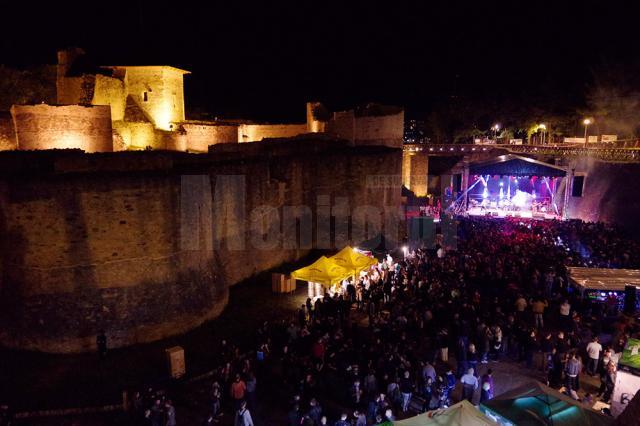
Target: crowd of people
column 412, row 330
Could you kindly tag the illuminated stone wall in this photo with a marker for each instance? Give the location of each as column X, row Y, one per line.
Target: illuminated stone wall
column 110, row 91
column 163, row 89
column 109, row 241
column 317, row 117
column 201, row 135
column 63, row 127
column 257, row 132
column 415, row 171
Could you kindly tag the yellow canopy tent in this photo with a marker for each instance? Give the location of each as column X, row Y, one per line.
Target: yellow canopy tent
column 323, row 271
column 353, row 261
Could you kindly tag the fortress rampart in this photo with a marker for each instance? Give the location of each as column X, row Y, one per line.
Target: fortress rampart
column 63, row 127
column 135, row 243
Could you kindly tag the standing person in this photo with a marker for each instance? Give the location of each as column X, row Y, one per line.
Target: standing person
column 101, row 343
column 486, row 383
column 170, row 413
column 485, row 392
column 315, row 411
column 521, row 305
column 238, row 390
column 538, row 308
column 530, row 348
column 155, row 414
column 450, row 383
column 472, row 357
column 243, row 416
column 469, row 385
column 427, row 393
column 361, row 419
column 250, row 391
column 302, row 314
column 565, row 310
column 356, row 393
column 593, row 351
column 406, row 388
column 609, row 382
column 572, row 372
column 294, row 415
column 343, row 420
column 443, row 345
column 216, row 400
column 428, row 371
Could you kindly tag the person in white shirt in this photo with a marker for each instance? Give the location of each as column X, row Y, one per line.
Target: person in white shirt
column 593, row 350
column 469, row 385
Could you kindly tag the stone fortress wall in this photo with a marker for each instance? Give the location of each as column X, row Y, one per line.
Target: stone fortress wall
column 147, row 102
column 38, row 127
column 123, row 241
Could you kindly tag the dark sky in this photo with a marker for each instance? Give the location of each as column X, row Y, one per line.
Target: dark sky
column 264, row 59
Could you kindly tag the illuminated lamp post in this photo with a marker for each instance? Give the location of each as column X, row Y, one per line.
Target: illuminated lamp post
column 495, row 128
column 586, row 123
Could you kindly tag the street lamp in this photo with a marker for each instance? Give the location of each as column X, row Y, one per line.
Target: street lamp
column 495, row 128
column 586, row 123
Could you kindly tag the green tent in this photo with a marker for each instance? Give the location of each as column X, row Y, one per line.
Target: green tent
column 631, row 355
column 535, row 404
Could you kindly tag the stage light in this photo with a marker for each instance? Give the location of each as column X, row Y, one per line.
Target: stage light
column 501, row 183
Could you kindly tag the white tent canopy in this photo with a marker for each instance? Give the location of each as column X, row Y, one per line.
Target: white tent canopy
column 461, row 414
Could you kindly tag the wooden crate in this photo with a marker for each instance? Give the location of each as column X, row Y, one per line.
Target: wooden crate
column 175, row 361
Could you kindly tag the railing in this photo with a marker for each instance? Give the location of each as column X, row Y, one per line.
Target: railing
column 602, row 151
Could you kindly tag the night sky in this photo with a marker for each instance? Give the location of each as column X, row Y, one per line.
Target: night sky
column 264, row 60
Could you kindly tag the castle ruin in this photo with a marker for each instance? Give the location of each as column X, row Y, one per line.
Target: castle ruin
column 147, row 111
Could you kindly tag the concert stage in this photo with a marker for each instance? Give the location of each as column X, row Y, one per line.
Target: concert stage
column 513, row 186
column 498, row 212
